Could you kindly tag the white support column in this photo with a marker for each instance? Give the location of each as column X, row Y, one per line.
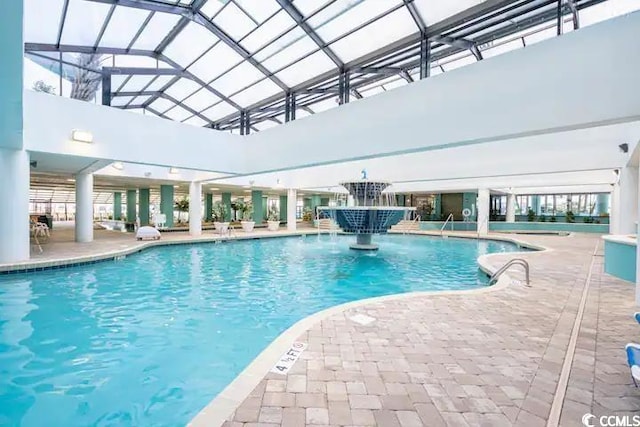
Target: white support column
column 195, row 208
column 292, row 203
column 614, row 214
column 482, row 205
column 84, row 207
column 14, row 214
column 628, row 201
column 511, row 208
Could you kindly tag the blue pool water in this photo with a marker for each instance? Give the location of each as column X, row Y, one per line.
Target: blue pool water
column 151, row 339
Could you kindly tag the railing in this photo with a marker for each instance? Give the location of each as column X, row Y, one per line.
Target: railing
column 450, row 217
column 514, row 261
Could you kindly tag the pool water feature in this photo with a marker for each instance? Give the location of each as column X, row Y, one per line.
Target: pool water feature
column 151, row 339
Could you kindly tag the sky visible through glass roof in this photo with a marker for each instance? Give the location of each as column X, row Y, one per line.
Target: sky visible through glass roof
column 223, row 57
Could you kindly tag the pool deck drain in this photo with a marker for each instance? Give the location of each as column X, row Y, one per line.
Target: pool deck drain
column 490, row 358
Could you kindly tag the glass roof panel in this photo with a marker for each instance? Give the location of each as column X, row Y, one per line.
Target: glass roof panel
column 117, row 81
column 234, row 21
column 325, row 105
column 219, row 111
column 140, row 100
column 196, row 121
column 136, row 83
column 255, row 93
column 305, row 69
column 123, row 26
column 182, row 88
column 84, row 22
column 259, row 10
column 190, row 43
column 534, row 37
column 238, row 78
column 264, row 125
column 268, row 31
column 290, row 54
column 119, row 101
column 136, row 61
column 201, row 99
column 212, row 7
column 606, row 10
column 156, row 29
column 378, row 34
column 43, row 20
column 370, row 91
column 499, row 48
column 461, row 62
column 215, row 62
column 351, row 16
column 436, row 11
column 159, row 83
column 307, row 7
column 177, row 113
column 283, row 42
column 161, row 105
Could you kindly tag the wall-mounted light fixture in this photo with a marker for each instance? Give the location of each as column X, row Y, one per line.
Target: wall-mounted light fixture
column 624, row 147
column 174, row 171
column 82, row 136
column 118, row 165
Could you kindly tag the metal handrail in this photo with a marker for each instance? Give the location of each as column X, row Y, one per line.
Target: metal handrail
column 416, row 218
column 450, row 217
column 514, row 261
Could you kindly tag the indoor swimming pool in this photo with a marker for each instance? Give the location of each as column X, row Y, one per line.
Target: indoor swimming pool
column 152, row 338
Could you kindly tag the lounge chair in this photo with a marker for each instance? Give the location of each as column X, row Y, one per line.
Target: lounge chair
column 633, row 359
column 147, row 232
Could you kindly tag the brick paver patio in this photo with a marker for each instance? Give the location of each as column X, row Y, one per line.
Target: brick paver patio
column 487, row 359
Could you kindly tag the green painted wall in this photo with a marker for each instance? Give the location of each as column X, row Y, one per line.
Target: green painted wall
column 11, row 85
column 324, row 201
column 469, row 202
column 167, row 203
column 437, row 209
column 208, row 206
column 226, row 201
column 283, row 208
column 131, row 205
column 602, row 204
column 401, row 199
column 144, row 198
column 258, row 206
column 315, row 202
column 620, row 260
column 117, row 206
column 265, row 207
column 306, row 203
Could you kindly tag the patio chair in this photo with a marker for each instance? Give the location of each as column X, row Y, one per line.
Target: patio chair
column 633, row 359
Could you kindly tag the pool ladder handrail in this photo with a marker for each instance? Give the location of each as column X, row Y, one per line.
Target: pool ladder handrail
column 515, row 261
column 450, row 217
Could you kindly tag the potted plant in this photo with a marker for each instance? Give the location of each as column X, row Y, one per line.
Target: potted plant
column 219, row 215
column 569, row 217
column 246, row 212
column 531, row 215
column 273, row 218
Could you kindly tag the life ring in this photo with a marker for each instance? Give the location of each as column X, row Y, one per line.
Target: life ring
column 466, row 212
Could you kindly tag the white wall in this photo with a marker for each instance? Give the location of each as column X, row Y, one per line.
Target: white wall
column 579, row 150
column 583, row 78
column 124, row 136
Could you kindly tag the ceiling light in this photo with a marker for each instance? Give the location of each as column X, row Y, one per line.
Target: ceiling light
column 118, row 165
column 71, row 180
column 279, row 184
column 174, row 171
column 82, row 136
column 176, row 186
column 214, row 188
column 247, row 191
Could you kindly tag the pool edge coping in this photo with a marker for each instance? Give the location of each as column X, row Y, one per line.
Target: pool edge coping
column 217, row 411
